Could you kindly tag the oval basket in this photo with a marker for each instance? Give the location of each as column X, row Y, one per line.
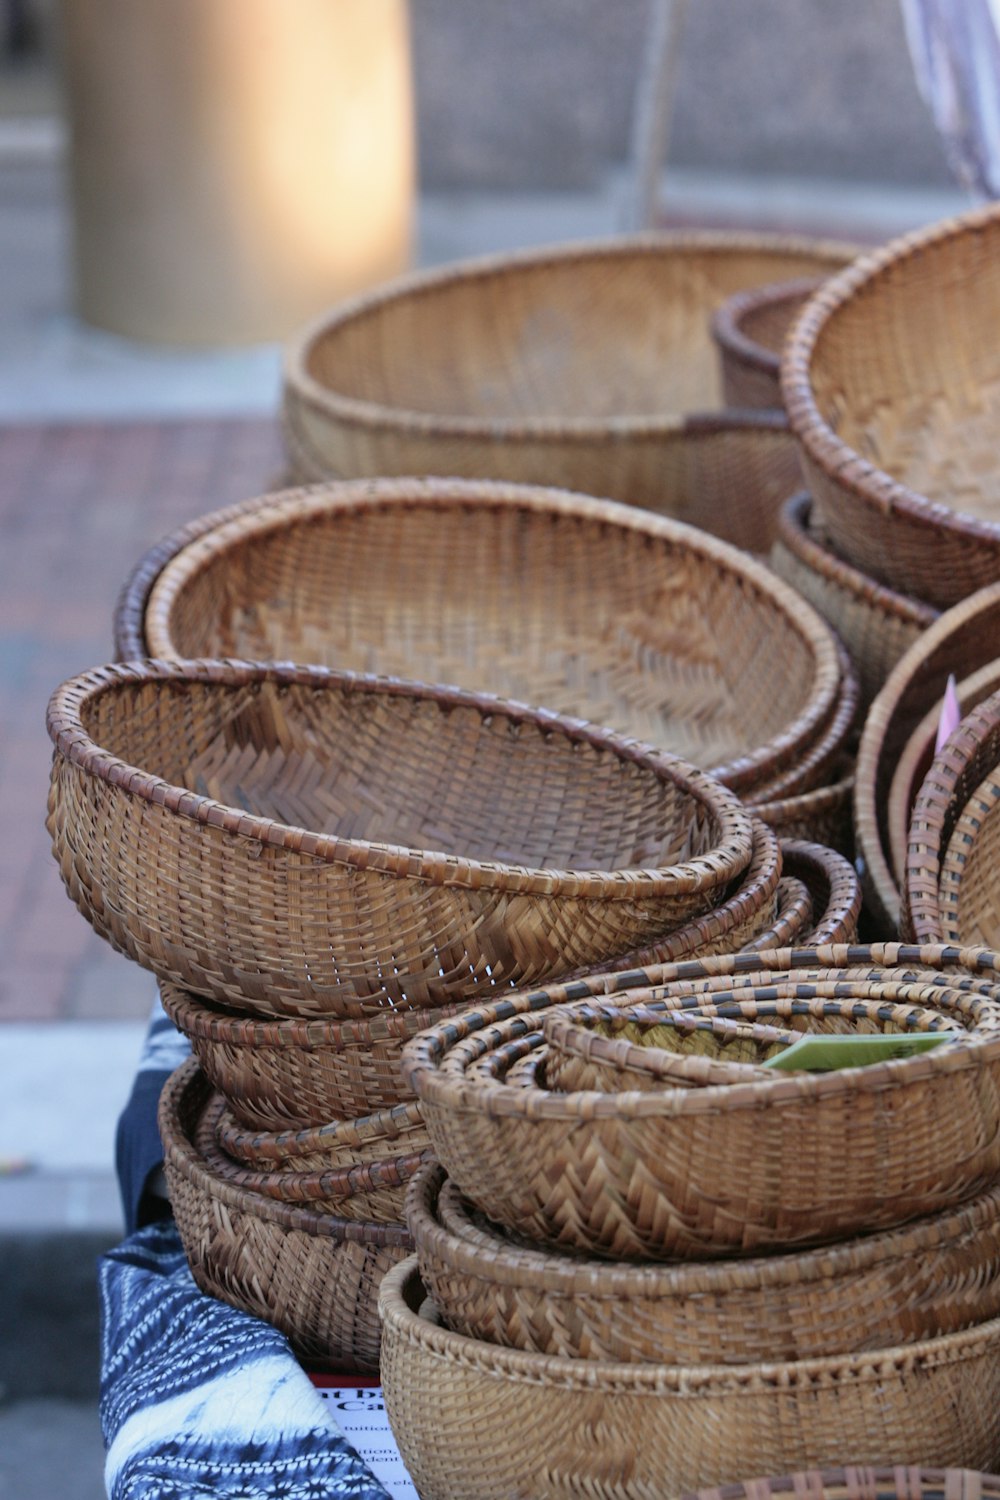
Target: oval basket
column 893, row 394
column 702, row 1172
column 600, row 611
column 632, row 1431
column 313, row 1276
column 290, row 1074
column 750, row 329
column 861, row 1482
column 877, row 625
column 576, row 366
column 536, row 844
column 962, row 641
column 935, row 1276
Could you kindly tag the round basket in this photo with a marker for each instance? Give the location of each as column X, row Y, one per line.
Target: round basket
column 821, row 816
column 793, row 916
column 627, row 1431
column 820, row 761
column 876, row 625
column 536, row 845
column 375, row 1138
column 314, row 1276
column 861, row 1482
column 597, row 610
column 290, row 1074
column 935, row 1276
column 575, row 366
column 964, row 640
column 894, row 394
column 750, row 329
column 703, row 1172
column 833, row 884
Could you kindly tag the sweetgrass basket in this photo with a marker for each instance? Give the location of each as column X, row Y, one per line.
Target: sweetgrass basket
column 333, row 844
column 935, row 1276
column 314, row 1276
column 893, row 394
column 703, row 1172
column 601, row 611
column 474, row 1421
column 876, row 624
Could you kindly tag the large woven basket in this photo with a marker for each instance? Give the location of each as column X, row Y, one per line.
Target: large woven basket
column 964, row 640
column 702, row 1172
column 876, row 624
column 474, row 1421
column 861, row 1482
column 894, row 393
column 588, row 608
column 935, row 1276
column 750, row 329
column 314, row 1276
column 327, row 843
column 576, row 366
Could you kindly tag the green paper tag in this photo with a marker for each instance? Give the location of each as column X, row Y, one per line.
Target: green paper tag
column 820, row 1052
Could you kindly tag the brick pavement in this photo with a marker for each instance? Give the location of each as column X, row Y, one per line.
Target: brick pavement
column 78, row 505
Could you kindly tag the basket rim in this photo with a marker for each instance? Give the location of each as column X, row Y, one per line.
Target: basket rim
column 854, row 1481
column 700, row 873
column 423, row 1054
column 692, row 1381
column 394, row 1122
column 188, row 1081
column 559, row 1274
column 820, row 444
column 727, row 327
column 371, row 415
column 810, row 862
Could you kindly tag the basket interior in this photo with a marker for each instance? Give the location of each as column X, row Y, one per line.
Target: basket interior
column 673, row 646
column 702, row 1039
column 402, row 769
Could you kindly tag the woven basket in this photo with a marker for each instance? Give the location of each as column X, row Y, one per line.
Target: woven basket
column 702, row 1172
column 953, row 821
column 964, row 640
column 596, row 610
column 860, row 1482
column 750, row 329
column 314, row 1276
column 834, row 887
column 561, row 845
column 290, row 1074
column 474, row 1421
column 575, row 366
column 375, row 1138
column 793, row 917
column 893, row 393
column 819, row 763
column 821, row 816
column 876, row 625
column 935, row 1276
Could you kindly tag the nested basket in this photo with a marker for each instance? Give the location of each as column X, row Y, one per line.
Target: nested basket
column 833, row 885
column 577, row 366
column 750, row 329
column 876, row 624
column 589, row 608
column 383, row 1136
column 333, row 844
column 935, row 1276
column 474, row 1421
column 314, row 1276
column 707, row 1171
column 963, row 641
column 894, row 395
column 862, row 1482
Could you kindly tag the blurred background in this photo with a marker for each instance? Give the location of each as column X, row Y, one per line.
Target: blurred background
column 182, row 184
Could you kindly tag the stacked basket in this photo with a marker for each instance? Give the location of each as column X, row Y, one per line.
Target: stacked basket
column 648, row 1255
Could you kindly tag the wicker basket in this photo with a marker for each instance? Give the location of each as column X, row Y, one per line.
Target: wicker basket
column 315, row 1277
column 290, row 1074
column 877, row 625
column 893, row 393
column 860, row 1482
column 821, row 816
column 592, row 609
column 474, row 1421
column 964, row 640
column 574, row 366
column 701, row 1172
column 835, row 890
column 823, row 760
column 379, row 1137
column 750, row 329
column 561, row 845
column 935, row 1276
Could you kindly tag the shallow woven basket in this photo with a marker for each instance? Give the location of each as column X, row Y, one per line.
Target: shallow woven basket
column 379, row 1137
column 964, row 640
column 822, row 761
column 577, row 366
column 860, row 1482
column 833, row 884
column 522, row 845
column 749, row 330
column 474, row 1421
column 876, row 624
column 703, row 1172
column 954, row 824
column 894, row 394
column 312, row 1275
column 597, row 610
column 935, row 1276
